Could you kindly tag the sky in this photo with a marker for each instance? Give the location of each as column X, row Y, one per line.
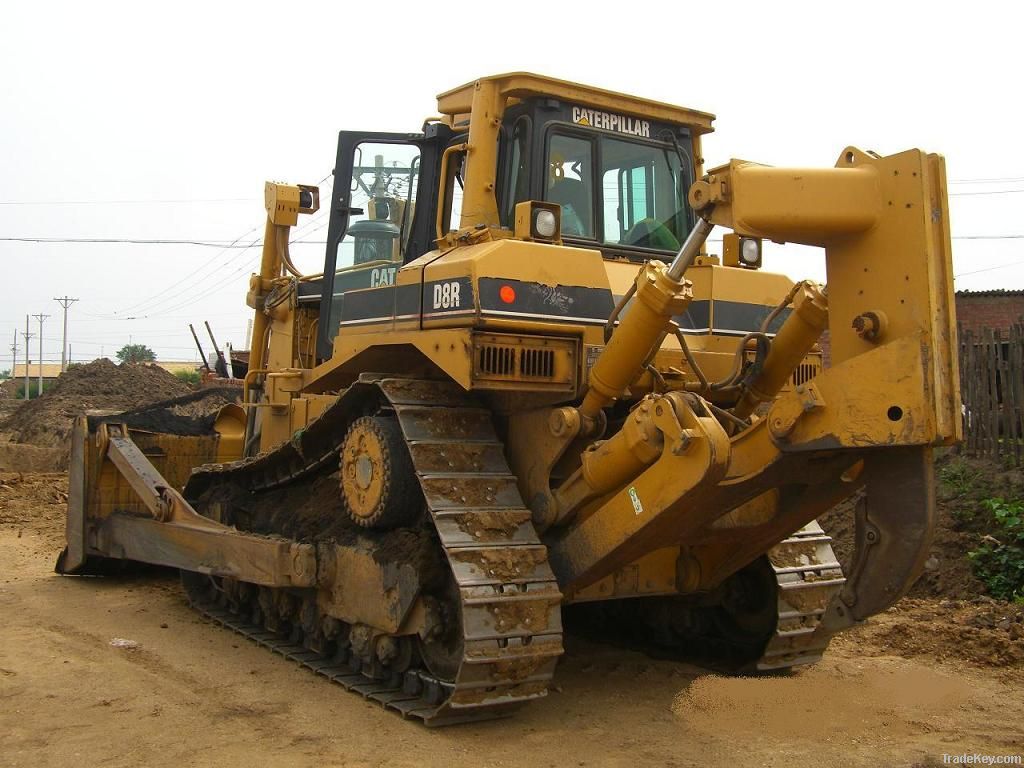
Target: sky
column 162, row 122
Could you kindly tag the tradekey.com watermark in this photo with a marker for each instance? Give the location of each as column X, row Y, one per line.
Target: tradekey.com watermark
column 978, row 759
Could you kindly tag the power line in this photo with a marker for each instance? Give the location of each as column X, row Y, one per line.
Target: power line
column 989, row 269
column 126, row 241
column 989, row 192
column 995, row 180
column 106, row 318
column 131, row 202
column 188, row 281
column 193, row 276
column 988, row 237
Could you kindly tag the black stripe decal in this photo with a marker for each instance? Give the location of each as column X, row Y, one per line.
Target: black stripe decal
column 439, row 298
column 368, row 303
column 696, row 317
column 738, row 316
column 574, row 303
column 567, row 303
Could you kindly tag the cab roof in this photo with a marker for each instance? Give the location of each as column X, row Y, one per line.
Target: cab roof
column 525, row 85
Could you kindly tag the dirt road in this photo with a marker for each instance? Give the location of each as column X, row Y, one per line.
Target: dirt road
column 189, row 693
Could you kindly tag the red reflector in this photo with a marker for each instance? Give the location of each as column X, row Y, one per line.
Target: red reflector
column 507, row 294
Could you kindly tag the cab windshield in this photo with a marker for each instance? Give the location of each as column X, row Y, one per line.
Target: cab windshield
column 618, row 192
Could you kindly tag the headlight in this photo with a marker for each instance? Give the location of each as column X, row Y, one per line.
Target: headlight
column 750, row 251
column 544, row 223
column 538, row 220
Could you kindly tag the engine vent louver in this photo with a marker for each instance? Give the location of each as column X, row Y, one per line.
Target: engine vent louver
column 537, row 362
column 804, row 373
column 497, row 361
column 529, row 364
column 502, row 361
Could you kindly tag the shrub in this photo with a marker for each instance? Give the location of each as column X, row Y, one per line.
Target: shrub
column 33, row 389
column 189, row 377
column 999, row 561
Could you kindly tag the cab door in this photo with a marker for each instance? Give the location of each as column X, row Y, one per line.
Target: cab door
column 383, row 206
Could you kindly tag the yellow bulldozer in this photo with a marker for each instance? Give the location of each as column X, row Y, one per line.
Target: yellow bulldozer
column 522, row 386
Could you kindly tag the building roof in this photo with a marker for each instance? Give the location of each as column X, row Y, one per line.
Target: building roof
column 992, row 292
column 50, row 370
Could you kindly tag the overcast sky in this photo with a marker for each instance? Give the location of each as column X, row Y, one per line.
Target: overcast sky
column 162, row 121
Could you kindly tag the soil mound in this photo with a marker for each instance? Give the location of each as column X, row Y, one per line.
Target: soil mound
column 982, row 632
column 102, row 385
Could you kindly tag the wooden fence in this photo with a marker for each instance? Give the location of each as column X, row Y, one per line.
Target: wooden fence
column 992, row 387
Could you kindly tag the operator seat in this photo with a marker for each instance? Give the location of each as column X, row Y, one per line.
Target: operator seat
column 577, row 213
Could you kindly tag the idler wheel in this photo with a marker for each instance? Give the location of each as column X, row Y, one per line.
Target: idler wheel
column 378, row 485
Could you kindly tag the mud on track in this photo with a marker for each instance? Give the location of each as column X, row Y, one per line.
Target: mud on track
column 192, row 694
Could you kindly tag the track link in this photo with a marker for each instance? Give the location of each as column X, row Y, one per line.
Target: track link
column 509, row 600
column 808, row 578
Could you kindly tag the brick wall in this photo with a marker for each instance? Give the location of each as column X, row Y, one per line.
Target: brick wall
column 989, row 309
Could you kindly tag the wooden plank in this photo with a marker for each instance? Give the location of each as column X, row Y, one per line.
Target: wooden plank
column 993, row 393
column 963, row 340
column 1017, row 384
column 968, row 361
column 1010, row 397
column 997, row 365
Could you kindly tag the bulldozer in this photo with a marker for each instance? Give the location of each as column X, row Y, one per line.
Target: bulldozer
column 523, row 390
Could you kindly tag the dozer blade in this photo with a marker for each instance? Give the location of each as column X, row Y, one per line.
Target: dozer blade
column 895, row 522
column 122, row 508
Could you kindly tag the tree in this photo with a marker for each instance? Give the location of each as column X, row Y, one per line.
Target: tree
column 136, row 353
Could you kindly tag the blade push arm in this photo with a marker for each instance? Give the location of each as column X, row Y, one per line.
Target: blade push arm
column 883, row 224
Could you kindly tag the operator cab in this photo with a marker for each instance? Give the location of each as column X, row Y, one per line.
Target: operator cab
column 621, row 181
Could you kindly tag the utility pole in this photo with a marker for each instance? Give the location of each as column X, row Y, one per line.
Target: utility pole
column 40, row 317
column 14, row 353
column 27, row 336
column 65, row 302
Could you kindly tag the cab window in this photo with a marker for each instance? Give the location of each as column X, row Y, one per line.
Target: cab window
column 644, row 195
column 570, row 183
column 516, row 186
column 383, row 194
column 643, row 186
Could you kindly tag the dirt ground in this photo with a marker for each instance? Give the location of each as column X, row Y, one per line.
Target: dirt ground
column 928, row 678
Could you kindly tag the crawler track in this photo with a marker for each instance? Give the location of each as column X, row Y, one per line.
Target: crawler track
column 808, row 577
column 508, row 599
